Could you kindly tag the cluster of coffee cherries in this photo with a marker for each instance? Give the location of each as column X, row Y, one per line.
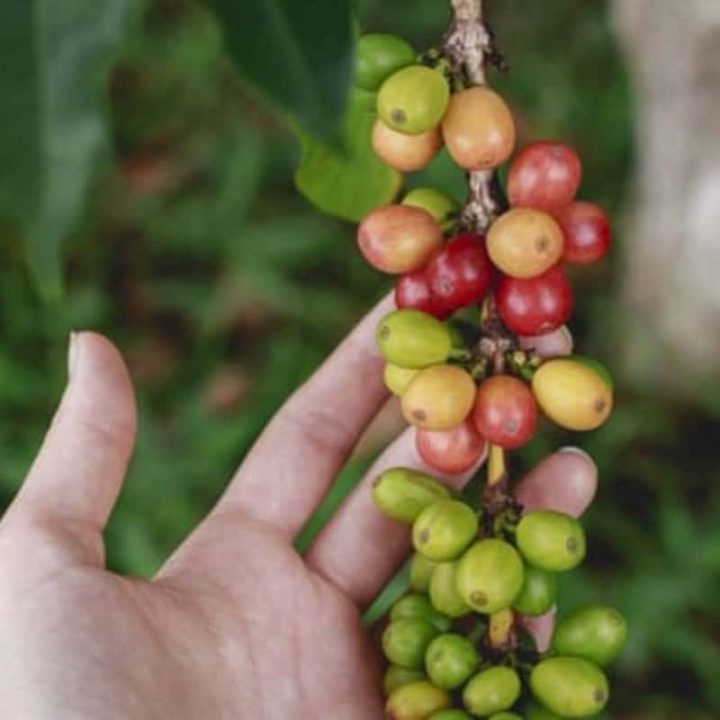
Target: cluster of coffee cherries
column 464, row 353
column 471, row 576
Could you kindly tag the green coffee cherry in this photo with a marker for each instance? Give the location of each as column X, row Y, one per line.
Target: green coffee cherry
column 378, row 56
column 538, row 592
column 451, row 715
column 490, row 576
column 444, row 593
column 396, row 676
column 413, row 100
column 416, row 701
column 551, row 540
column 492, row 691
column 596, row 633
column 413, row 339
column 450, row 660
column 402, row 494
column 506, row 716
column 538, row 712
column 439, row 205
column 444, row 529
column 419, row 606
column 570, row 687
column 405, row 642
column 421, row 570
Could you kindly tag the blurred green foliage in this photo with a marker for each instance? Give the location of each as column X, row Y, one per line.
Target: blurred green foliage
column 225, row 290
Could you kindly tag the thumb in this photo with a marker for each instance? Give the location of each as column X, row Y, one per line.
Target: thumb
column 80, row 468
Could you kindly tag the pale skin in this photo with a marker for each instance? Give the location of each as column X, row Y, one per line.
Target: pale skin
column 236, row 624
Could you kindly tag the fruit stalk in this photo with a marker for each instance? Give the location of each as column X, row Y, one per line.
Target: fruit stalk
column 468, row 46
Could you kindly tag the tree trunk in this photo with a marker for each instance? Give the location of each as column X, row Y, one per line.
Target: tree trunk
column 671, row 286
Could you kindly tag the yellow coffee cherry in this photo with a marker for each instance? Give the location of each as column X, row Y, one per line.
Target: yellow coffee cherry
column 524, row 243
column 572, row 394
column 398, row 378
column 416, row 701
column 439, row 398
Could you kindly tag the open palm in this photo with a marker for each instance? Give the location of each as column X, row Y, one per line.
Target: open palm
column 236, row 624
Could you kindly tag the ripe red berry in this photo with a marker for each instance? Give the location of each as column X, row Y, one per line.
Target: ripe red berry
column 545, row 176
column 450, row 451
column 505, row 411
column 413, row 292
column 460, row 272
column 536, row 305
column 587, row 232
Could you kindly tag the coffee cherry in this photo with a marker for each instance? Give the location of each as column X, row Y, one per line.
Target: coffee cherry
column 377, row 56
column 421, row 571
column 405, row 642
column 551, row 540
column 570, row 687
column 397, row 378
column 395, row 677
column 416, row 701
column 406, row 153
column 398, row 239
column 524, row 243
column 451, row 451
column 505, row 716
column 538, row 712
column 492, row 690
column 413, row 292
column 402, row 494
column 460, row 272
column 545, row 176
column 439, row 205
column 444, row 529
column 450, row 660
column 413, row 339
column 505, row 411
column 596, row 366
column 439, row 398
column 419, row 606
column 450, row 715
column 537, row 305
column 538, row 592
column 596, row 633
column 587, row 231
column 413, row 100
column 478, row 129
column 572, row 394
column 444, row 593
column 490, row 576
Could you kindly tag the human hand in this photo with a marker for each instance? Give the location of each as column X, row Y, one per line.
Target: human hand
column 236, row 624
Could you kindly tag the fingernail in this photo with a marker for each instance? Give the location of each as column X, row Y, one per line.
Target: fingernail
column 572, row 450
column 72, row 353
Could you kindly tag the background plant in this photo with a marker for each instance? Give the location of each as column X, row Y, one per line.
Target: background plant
column 193, row 250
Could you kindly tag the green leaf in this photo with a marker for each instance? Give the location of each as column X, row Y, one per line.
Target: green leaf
column 54, row 60
column 298, row 54
column 347, row 181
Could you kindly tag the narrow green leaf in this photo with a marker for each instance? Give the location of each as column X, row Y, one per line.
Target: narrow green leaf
column 347, row 181
column 299, row 54
column 54, row 60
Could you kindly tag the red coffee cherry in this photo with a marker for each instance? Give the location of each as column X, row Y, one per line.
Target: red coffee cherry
column 587, row 231
column 505, row 411
column 545, row 176
column 460, row 272
column 413, row 292
column 398, row 238
column 451, row 451
column 536, row 305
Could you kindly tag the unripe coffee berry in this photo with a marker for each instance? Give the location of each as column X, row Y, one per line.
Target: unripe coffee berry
column 451, row 715
column 416, row 701
column 419, row 606
column 398, row 239
column 421, row 572
column 538, row 592
column 478, row 129
column 413, row 339
column 450, row 660
column 492, row 690
column 398, row 378
column 377, row 56
column 395, row 677
column 524, row 243
column 550, row 540
column 413, row 100
column 596, row 633
column 402, row 494
column 444, row 593
column 444, row 529
column 405, row 642
column 440, row 206
column 405, row 153
column 439, row 398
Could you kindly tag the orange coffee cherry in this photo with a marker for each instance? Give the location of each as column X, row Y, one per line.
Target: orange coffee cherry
column 405, row 153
